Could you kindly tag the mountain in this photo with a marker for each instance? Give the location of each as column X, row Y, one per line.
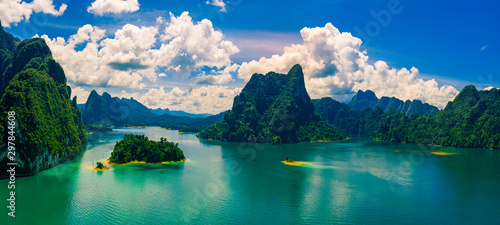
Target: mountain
column 471, row 120
column 81, row 107
column 104, row 111
column 274, row 108
column 194, row 125
column 350, row 121
column 160, row 111
column 368, row 99
column 48, row 129
column 363, row 100
column 7, row 48
column 7, row 41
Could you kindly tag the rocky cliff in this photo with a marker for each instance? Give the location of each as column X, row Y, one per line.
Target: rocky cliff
column 48, row 129
column 273, row 108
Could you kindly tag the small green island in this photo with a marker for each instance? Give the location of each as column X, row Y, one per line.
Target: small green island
column 139, row 149
column 289, row 161
column 100, row 167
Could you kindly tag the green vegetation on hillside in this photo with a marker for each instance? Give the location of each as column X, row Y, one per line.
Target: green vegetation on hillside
column 49, row 129
column 367, row 99
column 140, row 148
column 103, row 111
column 273, row 108
column 7, row 41
column 192, row 124
column 472, row 120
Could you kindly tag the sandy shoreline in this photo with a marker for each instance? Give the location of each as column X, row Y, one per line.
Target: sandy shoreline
column 95, row 169
column 295, row 163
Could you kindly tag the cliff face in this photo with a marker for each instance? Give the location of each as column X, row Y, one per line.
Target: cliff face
column 48, row 127
column 273, row 108
column 367, row 99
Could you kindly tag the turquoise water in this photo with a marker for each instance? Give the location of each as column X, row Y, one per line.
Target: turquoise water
column 358, row 181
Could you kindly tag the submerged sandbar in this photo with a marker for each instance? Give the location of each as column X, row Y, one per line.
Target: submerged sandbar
column 444, row 153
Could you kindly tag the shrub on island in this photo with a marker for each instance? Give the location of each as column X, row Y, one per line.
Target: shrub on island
column 99, row 165
column 140, row 148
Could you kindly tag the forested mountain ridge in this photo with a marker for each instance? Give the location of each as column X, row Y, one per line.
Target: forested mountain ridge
column 471, row 120
column 273, row 108
column 159, row 111
column 368, row 99
column 105, row 111
column 194, row 124
column 48, row 129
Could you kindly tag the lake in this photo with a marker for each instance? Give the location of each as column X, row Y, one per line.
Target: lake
column 357, row 181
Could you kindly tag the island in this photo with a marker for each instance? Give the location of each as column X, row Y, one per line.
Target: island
column 291, row 162
column 139, row 149
column 100, row 167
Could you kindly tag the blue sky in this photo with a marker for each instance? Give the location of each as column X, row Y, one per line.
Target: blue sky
column 454, row 42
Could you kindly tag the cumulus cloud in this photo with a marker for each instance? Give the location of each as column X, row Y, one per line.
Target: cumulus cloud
column 81, row 94
column 178, row 48
column 197, row 45
column 93, row 65
column 222, row 77
column 334, row 65
column 205, row 99
column 14, row 11
column 101, row 7
column 217, row 3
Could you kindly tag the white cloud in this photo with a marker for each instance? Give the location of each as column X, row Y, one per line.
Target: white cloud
column 197, row 45
column 490, row 88
column 81, row 94
column 14, row 11
column 483, row 48
column 135, row 53
column 205, row 99
column 223, row 77
column 217, row 3
column 101, row 7
column 334, row 66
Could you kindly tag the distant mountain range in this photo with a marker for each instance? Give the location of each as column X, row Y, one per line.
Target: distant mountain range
column 471, row 120
column 160, row 111
column 368, row 99
column 273, row 108
column 104, row 111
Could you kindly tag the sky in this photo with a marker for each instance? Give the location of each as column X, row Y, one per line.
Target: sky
column 196, row 56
